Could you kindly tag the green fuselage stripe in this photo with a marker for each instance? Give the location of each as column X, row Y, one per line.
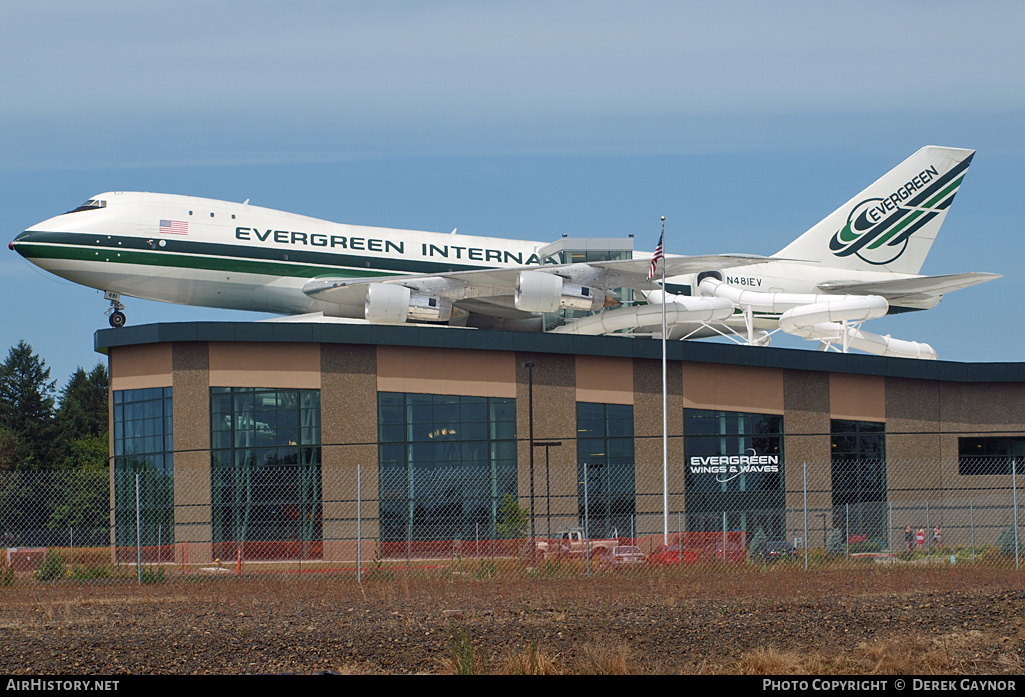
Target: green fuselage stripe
column 223, row 257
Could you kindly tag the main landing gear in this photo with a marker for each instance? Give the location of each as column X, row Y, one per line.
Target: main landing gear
column 115, row 315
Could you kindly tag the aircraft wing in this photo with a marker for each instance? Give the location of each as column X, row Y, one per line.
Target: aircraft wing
column 917, row 291
column 491, row 285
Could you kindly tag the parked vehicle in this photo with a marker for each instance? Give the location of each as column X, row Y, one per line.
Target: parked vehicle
column 571, row 543
column 623, row 557
column 732, row 553
column 673, row 555
column 775, row 550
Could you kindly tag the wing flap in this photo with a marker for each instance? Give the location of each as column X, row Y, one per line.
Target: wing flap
column 917, row 290
column 625, row 273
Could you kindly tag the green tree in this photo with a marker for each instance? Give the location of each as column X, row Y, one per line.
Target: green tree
column 758, row 541
column 512, row 519
column 82, row 416
column 10, row 450
column 836, row 546
column 26, row 404
column 1005, row 542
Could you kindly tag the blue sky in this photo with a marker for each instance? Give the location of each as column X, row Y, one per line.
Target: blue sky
column 744, row 123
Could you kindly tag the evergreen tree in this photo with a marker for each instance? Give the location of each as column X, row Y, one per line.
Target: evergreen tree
column 26, row 404
column 82, row 416
column 758, row 542
column 512, row 520
column 10, row 450
column 836, row 546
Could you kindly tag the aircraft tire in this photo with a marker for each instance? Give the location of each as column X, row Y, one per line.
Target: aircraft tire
column 117, row 319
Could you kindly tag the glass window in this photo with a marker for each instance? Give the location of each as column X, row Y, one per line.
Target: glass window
column 859, row 477
column 605, row 456
column 989, row 454
column 446, row 461
column 144, row 455
column 265, row 471
column 732, row 451
column 734, row 472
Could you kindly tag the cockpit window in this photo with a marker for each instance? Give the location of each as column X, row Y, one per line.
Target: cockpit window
column 90, row 205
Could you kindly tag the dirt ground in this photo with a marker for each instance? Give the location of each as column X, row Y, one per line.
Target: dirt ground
column 777, row 621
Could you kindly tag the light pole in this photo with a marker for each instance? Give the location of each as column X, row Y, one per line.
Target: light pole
column 529, row 365
column 548, row 491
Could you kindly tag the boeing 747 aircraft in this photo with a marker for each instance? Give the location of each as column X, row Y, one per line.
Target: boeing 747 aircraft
column 862, row 261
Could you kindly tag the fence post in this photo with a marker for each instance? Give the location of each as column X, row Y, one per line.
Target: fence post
column 359, row 523
column 847, row 529
column 724, row 536
column 889, row 529
column 805, row 487
column 971, row 522
column 587, row 527
column 138, row 539
column 1014, row 501
column 928, row 526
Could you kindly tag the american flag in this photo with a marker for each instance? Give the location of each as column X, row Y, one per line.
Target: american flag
column 174, row 227
column 654, row 260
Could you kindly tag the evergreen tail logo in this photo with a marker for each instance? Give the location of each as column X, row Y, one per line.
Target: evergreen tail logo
column 878, row 229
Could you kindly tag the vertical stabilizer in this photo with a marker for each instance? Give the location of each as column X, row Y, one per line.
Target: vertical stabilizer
column 891, row 225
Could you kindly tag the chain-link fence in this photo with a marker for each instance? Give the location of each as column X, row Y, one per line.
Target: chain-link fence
column 366, row 521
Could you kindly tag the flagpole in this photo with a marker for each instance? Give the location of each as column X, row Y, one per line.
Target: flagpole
column 665, row 414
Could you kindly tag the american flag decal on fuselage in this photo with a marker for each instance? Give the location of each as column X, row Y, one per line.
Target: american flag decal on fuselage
column 174, row 227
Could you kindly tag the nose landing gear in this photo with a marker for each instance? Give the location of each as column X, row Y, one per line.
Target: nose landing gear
column 115, row 315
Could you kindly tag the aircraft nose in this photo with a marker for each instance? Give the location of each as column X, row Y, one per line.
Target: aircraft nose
column 16, row 245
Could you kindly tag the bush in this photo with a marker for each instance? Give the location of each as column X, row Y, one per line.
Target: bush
column 1005, row 542
column 52, row 567
column 486, row 569
column 836, row 546
column 92, row 572
column 758, row 542
column 513, row 520
column 151, row 575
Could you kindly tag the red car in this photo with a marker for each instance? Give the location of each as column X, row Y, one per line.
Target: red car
column 673, row 555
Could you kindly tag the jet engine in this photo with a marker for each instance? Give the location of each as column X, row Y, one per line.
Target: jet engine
column 394, row 304
column 545, row 292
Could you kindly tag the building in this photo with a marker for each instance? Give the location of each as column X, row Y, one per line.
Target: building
column 256, row 431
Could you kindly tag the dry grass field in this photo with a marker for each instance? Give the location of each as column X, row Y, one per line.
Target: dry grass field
column 777, row 620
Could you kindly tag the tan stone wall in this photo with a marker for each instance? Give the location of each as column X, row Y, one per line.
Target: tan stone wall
column 605, row 380
column 733, row 388
column 446, row 371
column 280, row 365
column 348, row 405
column 555, row 419
column 648, row 443
column 139, row 367
column 857, row 397
column 190, row 366
column 806, row 440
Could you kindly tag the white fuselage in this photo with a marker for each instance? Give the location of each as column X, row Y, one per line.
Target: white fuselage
column 231, row 255
column 196, row 251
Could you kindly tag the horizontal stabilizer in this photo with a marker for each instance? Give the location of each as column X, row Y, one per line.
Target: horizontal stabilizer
column 924, row 291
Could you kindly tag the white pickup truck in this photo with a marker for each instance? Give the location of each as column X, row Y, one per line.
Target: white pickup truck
column 572, row 543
